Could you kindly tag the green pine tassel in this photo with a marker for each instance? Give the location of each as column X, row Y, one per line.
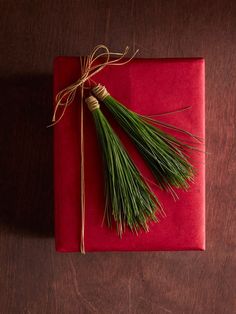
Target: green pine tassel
column 165, row 155
column 129, row 200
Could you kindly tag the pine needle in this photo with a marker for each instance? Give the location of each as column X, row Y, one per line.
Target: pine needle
column 164, row 154
column 129, row 200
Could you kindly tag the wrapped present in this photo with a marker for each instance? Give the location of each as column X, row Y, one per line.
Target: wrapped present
column 170, row 90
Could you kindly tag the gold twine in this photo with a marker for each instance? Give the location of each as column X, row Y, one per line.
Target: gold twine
column 66, row 96
column 83, row 63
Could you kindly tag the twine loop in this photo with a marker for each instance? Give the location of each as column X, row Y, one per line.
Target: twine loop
column 96, row 61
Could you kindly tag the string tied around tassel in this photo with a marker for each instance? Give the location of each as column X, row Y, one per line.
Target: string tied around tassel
column 100, row 92
column 92, row 103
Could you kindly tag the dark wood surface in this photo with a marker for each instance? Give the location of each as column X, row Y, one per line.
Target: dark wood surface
column 33, row 277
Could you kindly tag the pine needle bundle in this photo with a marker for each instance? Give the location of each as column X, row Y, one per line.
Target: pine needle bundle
column 129, row 200
column 165, row 155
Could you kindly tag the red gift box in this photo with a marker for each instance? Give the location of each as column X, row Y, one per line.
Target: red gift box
column 149, row 87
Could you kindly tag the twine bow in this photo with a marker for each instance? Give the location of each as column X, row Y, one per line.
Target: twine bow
column 96, row 61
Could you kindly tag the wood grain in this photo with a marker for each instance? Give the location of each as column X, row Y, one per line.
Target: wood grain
column 35, row 279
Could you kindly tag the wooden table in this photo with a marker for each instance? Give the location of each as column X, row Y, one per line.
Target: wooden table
column 33, row 277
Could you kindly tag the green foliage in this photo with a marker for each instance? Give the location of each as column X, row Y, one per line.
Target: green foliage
column 165, row 155
column 129, row 199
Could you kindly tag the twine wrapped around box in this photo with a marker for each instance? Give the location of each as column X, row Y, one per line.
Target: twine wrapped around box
column 129, row 199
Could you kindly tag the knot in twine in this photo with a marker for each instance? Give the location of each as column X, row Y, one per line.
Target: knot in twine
column 96, row 61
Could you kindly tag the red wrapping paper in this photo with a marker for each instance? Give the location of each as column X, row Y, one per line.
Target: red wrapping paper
column 147, row 86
